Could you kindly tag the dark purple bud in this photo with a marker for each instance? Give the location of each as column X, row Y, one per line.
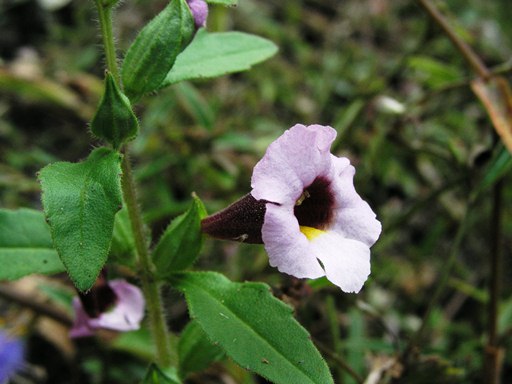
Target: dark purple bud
column 241, row 221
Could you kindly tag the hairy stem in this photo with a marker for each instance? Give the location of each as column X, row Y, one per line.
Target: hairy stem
column 150, row 286
column 105, row 18
column 466, row 51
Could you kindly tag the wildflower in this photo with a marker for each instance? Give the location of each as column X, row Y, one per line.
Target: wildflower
column 11, row 356
column 116, row 305
column 199, row 10
column 305, row 210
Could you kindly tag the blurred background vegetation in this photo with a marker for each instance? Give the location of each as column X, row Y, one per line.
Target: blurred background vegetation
column 381, row 73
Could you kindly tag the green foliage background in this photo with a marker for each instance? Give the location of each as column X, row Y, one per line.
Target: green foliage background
column 418, row 158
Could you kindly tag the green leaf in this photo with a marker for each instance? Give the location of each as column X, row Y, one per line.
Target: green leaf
column 195, row 350
column 254, row 328
column 436, row 72
column 505, row 316
column 122, row 249
column 347, row 116
column 41, row 89
column 216, row 54
column 470, row 290
column 355, row 355
column 230, row 3
column 154, row 51
column 181, row 242
column 500, row 165
column 114, row 120
column 195, row 104
column 26, row 245
column 156, row 376
column 109, row 3
column 80, row 201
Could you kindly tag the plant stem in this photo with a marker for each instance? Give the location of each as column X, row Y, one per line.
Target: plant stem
column 466, row 51
column 150, row 286
column 493, row 355
column 105, row 16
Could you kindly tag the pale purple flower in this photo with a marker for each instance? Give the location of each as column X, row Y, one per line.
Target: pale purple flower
column 304, row 208
column 11, row 356
column 199, row 10
column 124, row 314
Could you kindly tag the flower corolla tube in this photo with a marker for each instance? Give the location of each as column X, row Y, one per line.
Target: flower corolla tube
column 11, row 356
column 115, row 305
column 305, row 210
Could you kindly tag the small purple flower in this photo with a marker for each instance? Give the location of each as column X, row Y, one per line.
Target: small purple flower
column 11, row 356
column 121, row 308
column 199, row 10
column 305, row 210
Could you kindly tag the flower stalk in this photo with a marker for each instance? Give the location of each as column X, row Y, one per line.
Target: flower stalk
column 105, row 18
column 150, row 287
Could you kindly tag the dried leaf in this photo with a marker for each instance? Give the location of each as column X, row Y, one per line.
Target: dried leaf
column 496, row 96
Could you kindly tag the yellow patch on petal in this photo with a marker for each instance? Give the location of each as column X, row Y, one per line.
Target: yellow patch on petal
column 310, row 232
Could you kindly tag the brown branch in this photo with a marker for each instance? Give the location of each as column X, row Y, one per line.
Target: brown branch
column 466, row 51
column 493, row 351
column 8, row 293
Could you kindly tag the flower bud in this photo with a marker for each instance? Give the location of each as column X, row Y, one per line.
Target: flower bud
column 199, row 10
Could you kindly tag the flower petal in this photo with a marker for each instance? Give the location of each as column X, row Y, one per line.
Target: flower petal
column 128, row 311
column 354, row 218
column 292, row 162
column 11, row 356
column 80, row 326
column 346, row 261
column 288, row 249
